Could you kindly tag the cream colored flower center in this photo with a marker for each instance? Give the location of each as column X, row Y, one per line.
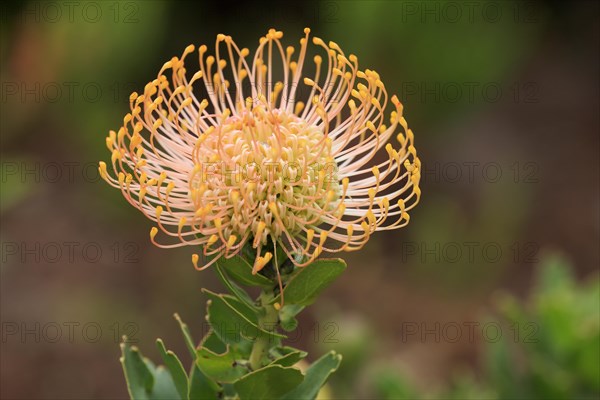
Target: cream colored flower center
column 263, row 173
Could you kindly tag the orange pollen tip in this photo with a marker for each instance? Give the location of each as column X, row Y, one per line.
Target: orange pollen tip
column 231, row 240
column 212, row 240
column 261, row 262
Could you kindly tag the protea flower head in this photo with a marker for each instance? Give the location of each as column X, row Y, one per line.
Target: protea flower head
column 270, row 155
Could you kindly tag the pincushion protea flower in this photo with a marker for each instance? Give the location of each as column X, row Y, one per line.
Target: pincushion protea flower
column 253, row 164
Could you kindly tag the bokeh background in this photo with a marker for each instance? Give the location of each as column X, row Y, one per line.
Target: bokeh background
column 490, row 292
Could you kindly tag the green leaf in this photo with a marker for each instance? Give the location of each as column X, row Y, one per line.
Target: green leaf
column 287, row 316
column 241, row 271
column 175, row 369
column 304, row 287
column 212, row 342
column 290, row 310
column 144, row 380
column 229, row 392
column 289, row 324
column 187, row 335
column 232, row 321
column 137, row 374
column 164, row 388
column 220, row 367
column 316, row 376
column 270, row 382
column 287, row 356
column 234, row 289
column 201, row 387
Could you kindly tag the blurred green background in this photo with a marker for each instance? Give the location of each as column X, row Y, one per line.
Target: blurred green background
column 490, row 292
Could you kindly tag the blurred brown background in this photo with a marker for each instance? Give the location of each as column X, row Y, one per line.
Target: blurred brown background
column 503, row 100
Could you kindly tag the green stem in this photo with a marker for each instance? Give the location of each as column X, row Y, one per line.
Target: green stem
column 268, row 320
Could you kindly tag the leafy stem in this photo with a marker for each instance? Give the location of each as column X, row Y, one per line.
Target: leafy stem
column 268, row 320
column 242, row 356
